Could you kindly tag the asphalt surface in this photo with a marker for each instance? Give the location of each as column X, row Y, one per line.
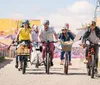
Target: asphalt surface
column 9, row 75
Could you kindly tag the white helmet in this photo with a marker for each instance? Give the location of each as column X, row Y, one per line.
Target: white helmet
column 35, row 27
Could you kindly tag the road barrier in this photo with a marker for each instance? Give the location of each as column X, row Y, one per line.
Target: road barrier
column 4, row 52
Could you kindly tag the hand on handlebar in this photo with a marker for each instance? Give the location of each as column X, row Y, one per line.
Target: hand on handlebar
column 83, row 45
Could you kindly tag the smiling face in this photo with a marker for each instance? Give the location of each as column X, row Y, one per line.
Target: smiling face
column 46, row 26
column 92, row 27
column 63, row 30
column 36, row 30
column 25, row 25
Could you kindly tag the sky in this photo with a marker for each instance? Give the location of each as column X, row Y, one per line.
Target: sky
column 59, row 12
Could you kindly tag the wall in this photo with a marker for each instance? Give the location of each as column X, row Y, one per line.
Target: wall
column 7, row 26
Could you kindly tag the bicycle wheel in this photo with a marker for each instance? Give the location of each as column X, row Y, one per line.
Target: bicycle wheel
column 66, row 64
column 88, row 68
column 92, row 67
column 47, row 63
column 37, row 62
column 24, row 61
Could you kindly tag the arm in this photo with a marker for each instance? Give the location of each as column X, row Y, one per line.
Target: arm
column 56, row 37
column 54, row 32
column 85, row 36
column 39, row 36
column 98, row 32
column 71, row 36
column 17, row 36
column 32, row 36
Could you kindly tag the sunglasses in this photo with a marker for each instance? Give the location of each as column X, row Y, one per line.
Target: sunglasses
column 63, row 29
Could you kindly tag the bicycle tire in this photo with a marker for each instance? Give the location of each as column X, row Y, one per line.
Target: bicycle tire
column 24, row 65
column 88, row 68
column 37, row 62
column 66, row 64
column 47, row 63
column 92, row 67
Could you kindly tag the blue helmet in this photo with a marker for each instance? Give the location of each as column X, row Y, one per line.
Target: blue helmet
column 46, row 22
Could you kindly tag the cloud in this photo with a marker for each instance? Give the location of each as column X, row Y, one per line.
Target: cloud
column 76, row 14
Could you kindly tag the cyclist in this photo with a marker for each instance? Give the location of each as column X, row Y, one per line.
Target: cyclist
column 35, row 33
column 66, row 36
column 23, row 35
column 93, row 35
column 46, row 34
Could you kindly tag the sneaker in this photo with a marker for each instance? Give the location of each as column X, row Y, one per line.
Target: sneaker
column 70, row 63
column 51, row 63
column 85, row 61
column 61, row 62
column 16, row 66
column 96, row 71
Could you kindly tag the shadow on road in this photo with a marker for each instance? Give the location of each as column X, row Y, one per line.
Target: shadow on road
column 54, row 73
column 5, row 62
column 77, row 74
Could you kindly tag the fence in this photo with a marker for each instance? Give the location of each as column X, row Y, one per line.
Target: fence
column 4, row 52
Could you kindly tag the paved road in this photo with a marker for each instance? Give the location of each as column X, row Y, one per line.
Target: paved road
column 77, row 75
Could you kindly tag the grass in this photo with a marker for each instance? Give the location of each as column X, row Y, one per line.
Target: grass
column 1, row 59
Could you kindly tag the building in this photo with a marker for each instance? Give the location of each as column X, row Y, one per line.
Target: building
column 9, row 25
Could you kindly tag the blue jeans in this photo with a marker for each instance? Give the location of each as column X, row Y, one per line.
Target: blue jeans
column 63, row 53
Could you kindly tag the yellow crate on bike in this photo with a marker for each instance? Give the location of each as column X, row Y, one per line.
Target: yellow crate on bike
column 23, row 50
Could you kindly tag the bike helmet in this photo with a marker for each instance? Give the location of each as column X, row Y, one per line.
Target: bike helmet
column 66, row 26
column 35, row 26
column 46, row 22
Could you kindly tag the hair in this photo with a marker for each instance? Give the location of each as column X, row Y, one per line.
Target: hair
column 93, row 23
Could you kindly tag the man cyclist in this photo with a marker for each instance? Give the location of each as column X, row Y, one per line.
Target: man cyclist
column 23, row 35
column 93, row 35
column 46, row 34
column 66, row 35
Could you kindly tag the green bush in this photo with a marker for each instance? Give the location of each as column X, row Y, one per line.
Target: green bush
column 1, row 58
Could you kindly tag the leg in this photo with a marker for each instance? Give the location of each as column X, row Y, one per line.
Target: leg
column 52, row 52
column 62, row 55
column 16, row 62
column 96, row 54
column 43, row 50
column 69, row 55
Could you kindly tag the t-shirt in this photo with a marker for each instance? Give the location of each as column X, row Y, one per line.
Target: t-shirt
column 24, row 35
column 93, row 38
column 34, row 36
column 47, row 35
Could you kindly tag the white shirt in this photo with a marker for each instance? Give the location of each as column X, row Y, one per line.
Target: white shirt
column 34, row 36
column 47, row 35
column 93, row 38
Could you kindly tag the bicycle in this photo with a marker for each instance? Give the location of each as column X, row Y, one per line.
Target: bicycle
column 23, row 53
column 66, row 47
column 48, row 56
column 91, row 64
column 36, row 58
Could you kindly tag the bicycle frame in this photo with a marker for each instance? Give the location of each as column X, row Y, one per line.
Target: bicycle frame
column 91, row 51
